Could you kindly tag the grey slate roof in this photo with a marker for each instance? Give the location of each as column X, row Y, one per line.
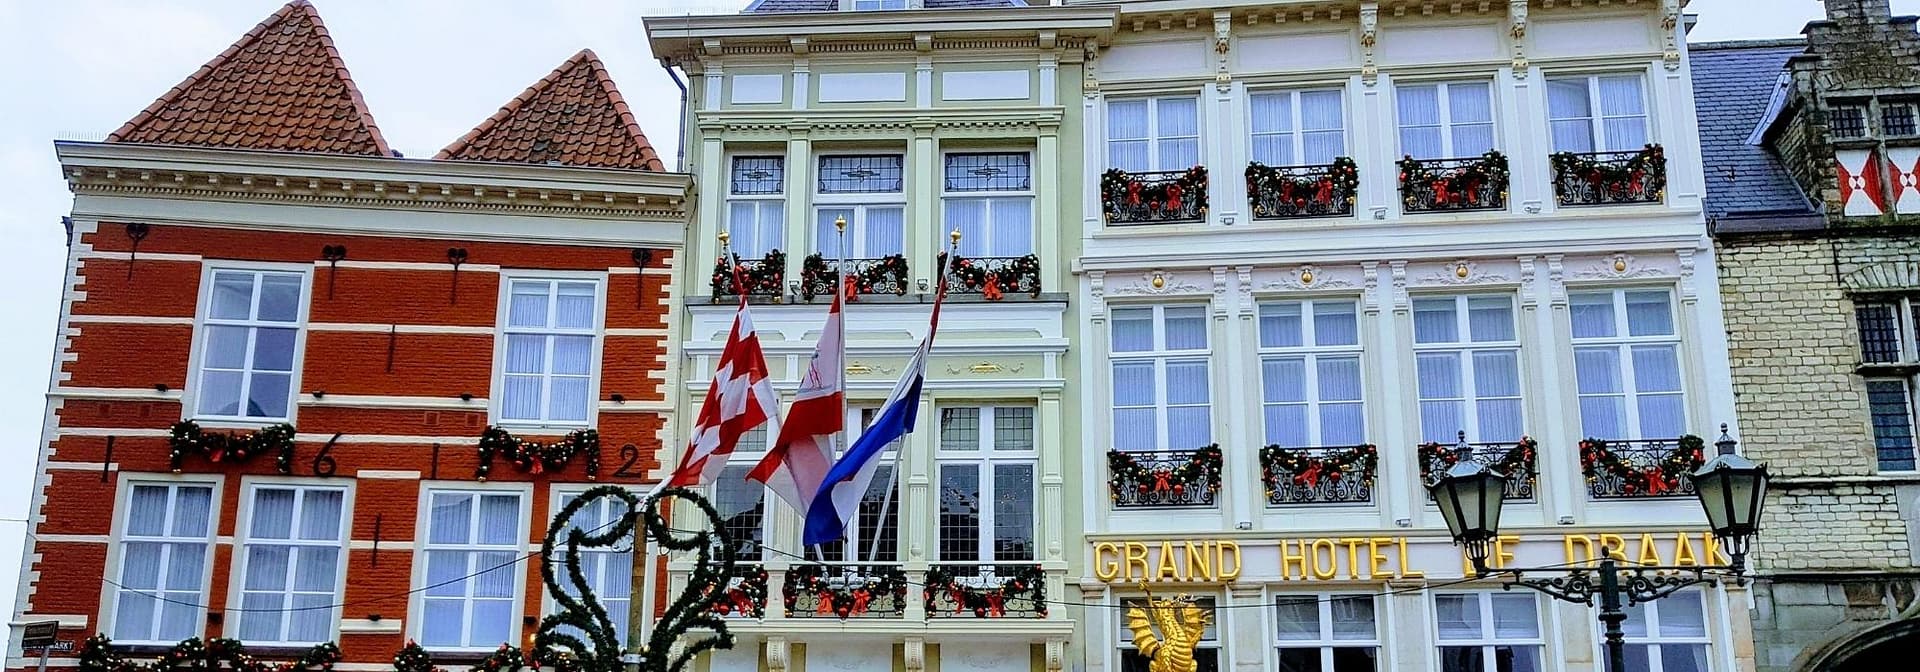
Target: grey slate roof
column 779, row 6
column 1732, row 84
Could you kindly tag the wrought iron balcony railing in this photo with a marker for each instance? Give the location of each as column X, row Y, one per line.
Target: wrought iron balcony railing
column 745, row 592
column 1607, row 178
column 1177, row 478
column 1519, row 462
column 986, row 591
column 759, row 277
column 993, row 277
column 1446, row 185
column 1641, row 467
column 1154, row 197
column 1295, row 192
column 846, row 591
column 1319, row 475
column 886, row 275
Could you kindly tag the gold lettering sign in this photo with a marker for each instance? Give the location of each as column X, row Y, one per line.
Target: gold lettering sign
column 1587, row 549
column 1167, row 561
column 1349, row 558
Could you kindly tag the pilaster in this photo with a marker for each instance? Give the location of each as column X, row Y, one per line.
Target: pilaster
column 799, row 188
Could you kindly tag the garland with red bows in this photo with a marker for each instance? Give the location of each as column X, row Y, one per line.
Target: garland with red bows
column 1642, row 176
column 187, row 437
column 993, row 284
column 762, row 277
column 1516, row 462
column 414, row 658
column 1162, row 197
column 97, row 655
column 745, row 597
column 1307, row 470
column 887, row 272
column 1340, row 181
column 536, row 457
column 848, row 600
column 1202, row 470
column 1597, row 460
column 1459, row 186
column 1027, row 582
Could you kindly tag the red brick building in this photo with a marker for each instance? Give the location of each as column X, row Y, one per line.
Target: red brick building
column 248, row 258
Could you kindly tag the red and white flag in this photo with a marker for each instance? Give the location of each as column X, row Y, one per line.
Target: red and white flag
column 802, row 455
column 739, row 399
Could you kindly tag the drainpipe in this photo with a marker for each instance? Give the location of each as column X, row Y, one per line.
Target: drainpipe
column 680, row 142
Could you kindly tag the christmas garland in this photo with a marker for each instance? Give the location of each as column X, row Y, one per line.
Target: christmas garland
column 1457, row 186
column 1518, row 460
column 1023, row 271
column 536, row 457
column 1118, row 189
column 1306, row 470
column 763, row 277
column 1028, row 582
column 747, row 597
column 817, row 278
column 414, row 658
column 1645, row 171
column 97, row 655
column 187, row 437
column 843, row 602
column 1341, row 180
column 1202, row 470
column 1597, row 460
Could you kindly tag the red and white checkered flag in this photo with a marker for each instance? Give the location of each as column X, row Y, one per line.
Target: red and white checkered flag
column 738, row 400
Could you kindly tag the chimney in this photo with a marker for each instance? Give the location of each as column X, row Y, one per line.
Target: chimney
column 1858, row 11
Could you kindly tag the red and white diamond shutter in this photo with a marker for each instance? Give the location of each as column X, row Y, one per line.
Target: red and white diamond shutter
column 1859, row 173
column 1903, row 168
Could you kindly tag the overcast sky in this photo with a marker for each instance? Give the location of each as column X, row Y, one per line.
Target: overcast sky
column 429, row 69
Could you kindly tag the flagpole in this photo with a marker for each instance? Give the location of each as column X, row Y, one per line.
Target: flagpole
column 900, row 454
column 839, row 298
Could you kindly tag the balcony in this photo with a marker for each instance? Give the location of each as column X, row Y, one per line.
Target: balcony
column 1301, row 192
column 745, row 593
column 1450, row 185
column 1610, row 178
column 1641, row 468
column 846, row 591
column 761, row 277
column 1154, row 197
column 993, row 277
column 1319, row 475
column 1518, row 462
column 1178, row 478
column 986, row 591
column 885, row 275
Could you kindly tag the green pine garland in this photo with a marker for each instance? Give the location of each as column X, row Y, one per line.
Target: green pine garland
column 1028, row 582
column 1598, row 460
column 536, row 457
column 1643, row 175
column 1203, row 470
column 1119, row 189
column 1303, row 467
column 1455, row 187
column 761, row 278
column 1518, row 461
column 889, row 273
column 844, row 601
column 748, row 598
column 97, row 655
column 1340, row 183
column 1021, row 272
column 186, row 437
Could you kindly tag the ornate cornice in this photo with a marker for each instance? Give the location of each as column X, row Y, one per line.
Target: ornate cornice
column 775, row 125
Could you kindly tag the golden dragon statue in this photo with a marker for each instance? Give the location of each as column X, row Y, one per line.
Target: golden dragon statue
column 1181, row 623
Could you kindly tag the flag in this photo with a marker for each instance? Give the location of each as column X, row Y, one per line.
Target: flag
column 738, row 399
column 838, row 499
column 803, row 452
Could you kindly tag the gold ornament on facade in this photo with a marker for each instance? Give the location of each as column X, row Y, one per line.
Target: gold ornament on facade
column 1181, row 623
column 1460, row 270
column 1159, row 281
column 1619, row 264
column 1306, row 276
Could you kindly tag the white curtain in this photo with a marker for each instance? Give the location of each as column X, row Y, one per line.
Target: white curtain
column 1186, row 328
column 1322, row 125
column 1132, row 329
column 1012, row 227
column 526, row 357
column 1280, row 325
column 451, row 519
column 1178, row 121
column 1570, row 115
column 527, row 307
column 1335, row 323
column 1127, row 135
column 1272, row 128
column 1284, row 389
column 1439, row 386
column 1341, row 419
column 574, row 308
column 1623, row 106
column 191, row 511
column 1592, row 314
column 320, row 515
column 499, row 520
column 232, row 296
column 755, row 227
column 1434, row 321
column 1419, row 117
column 1188, row 424
column 885, row 232
column 1133, row 400
column 572, row 366
column 1490, row 318
column 272, row 514
column 147, row 511
column 826, row 238
column 1649, row 314
column 1603, row 412
column 1656, row 370
column 1470, row 112
column 1496, row 381
column 969, row 217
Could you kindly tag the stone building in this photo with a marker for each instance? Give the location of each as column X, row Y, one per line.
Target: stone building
column 1810, row 149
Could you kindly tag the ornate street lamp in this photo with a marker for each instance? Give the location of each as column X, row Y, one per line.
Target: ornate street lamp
column 1732, row 489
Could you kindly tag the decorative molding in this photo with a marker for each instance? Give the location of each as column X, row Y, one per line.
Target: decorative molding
column 776, row 654
column 385, row 194
column 913, row 652
column 1223, row 49
column 1883, row 276
column 1463, row 272
column 1158, row 283
column 1370, row 275
column 1556, row 280
column 1689, row 287
column 1089, row 77
column 1219, row 291
column 1619, row 267
column 1097, row 305
column 1400, row 301
column 1056, row 655
column 1307, row 277
column 1670, row 22
column 1369, row 36
column 859, row 368
column 986, row 368
column 1517, row 17
column 1529, row 283
column 1244, row 276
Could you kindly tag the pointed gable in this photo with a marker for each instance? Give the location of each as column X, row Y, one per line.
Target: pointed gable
column 281, row 87
column 574, row 117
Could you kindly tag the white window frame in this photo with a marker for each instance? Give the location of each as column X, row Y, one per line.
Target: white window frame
column 1123, row 639
column 1160, row 357
column 1595, row 117
column 760, row 201
column 854, row 544
column 1153, row 137
column 596, row 364
column 1464, row 348
column 1622, row 344
column 1297, row 132
column 1327, row 642
column 1653, row 639
column 423, row 544
column 249, row 489
column 557, row 499
column 1894, row 371
column 984, row 458
column 1444, row 99
column 1489, row 638
column 857, row 205
column 878, row 5
column 1310, row 352
column 995, row 201
column 202, row 317
column 116, row 555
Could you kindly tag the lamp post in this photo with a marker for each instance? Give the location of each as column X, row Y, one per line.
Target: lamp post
column 1731, row 489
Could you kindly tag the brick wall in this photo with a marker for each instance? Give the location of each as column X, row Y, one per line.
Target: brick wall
column 374, row 337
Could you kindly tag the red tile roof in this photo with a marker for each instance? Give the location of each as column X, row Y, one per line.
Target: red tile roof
column 574, row 116
column 281, row 87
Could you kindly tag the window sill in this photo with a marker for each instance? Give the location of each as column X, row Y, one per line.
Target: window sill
column 541, row 429
column 1886, row 369
column 467, row 657
column 237, row 423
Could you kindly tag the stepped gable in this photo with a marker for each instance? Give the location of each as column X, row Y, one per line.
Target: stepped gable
column 573, row 116
column 282, row 86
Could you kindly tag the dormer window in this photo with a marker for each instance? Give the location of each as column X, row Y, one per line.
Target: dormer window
column 1847, row 121
column 878, row 5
